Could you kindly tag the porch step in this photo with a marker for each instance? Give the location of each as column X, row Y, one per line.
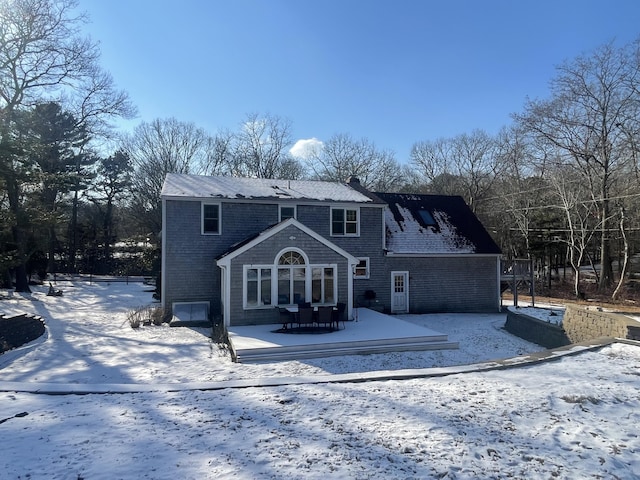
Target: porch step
column 344, row 348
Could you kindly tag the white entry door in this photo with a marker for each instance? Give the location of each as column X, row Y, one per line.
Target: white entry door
column 399, row 292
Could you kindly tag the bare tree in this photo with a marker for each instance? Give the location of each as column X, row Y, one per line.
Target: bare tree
column 519, row 191
column 580, row 218
column 342, row 157
column 260, row 149
column 594, row 105
column 157, row 148
column 43, row 57
column 466, row 165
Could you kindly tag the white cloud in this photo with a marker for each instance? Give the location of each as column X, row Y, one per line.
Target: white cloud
column 305, row 148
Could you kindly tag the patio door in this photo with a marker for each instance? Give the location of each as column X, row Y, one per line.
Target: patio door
column 399, row 292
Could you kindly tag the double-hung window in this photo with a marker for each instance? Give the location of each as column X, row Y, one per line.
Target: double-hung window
column 287, row 211
column 210, row 218
column 362, row 268
column 323, row 284
column 257, row 286
column 344, row 222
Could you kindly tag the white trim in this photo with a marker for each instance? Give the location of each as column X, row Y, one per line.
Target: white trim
column 291, row 249
column 202, row 205
column 309, row 283
column 193, row 302
column 283, row 205
column 367, row 274
column 405, row 274
column 344, row 208
column 224, row 295
column 163, row 259
column 245, row 268
column 384, row 230
column 498, row 280
column 350, row 291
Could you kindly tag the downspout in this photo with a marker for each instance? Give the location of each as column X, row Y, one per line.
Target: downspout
column 226, row 310
column 499, row 275
column 352, row 267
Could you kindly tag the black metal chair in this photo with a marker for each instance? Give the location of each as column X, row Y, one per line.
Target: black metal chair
column 338, row 314
column 305, row 317
column 285, row 317
column 325, row 316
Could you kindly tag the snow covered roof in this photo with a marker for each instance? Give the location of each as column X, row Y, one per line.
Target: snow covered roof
column 433, row 224
column 199, row 186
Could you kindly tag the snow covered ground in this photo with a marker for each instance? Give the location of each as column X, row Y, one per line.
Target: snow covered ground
column 552, row 315
column 575, row 417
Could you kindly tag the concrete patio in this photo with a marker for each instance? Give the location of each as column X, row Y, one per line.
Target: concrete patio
column 372, row 332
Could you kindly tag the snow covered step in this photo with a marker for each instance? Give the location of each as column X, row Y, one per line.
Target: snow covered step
column 327, row 350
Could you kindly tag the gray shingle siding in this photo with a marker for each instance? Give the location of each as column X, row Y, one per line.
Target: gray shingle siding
column 453, row 284
column 436, row 284
column 265, row 254
column 190, row 270
column 190, row 256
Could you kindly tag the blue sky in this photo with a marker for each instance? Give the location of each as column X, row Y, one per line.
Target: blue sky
column 395, row 72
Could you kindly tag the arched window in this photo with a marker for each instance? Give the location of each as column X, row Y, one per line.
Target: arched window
column 292, row 275
column 291, row 258
column 289, row 280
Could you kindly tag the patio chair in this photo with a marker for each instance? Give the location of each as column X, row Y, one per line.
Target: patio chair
column 285, row 317
column 305, row 317
column 325, row 316
column 338, row 314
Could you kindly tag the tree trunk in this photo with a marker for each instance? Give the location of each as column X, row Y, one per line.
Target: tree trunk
column 22, row 282
column 73, row 234
column 17, row 231
column 625, row 260
column 51, row 262
column 606, row 270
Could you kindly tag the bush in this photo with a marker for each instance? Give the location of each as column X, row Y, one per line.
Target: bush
column 146, row 315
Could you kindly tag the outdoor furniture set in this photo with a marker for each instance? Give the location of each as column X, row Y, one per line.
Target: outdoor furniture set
column 306, row 316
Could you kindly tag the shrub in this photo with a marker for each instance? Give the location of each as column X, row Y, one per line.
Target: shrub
column 146, row 315
column 219, row 336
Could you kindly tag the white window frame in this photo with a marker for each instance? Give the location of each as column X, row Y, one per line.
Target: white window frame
column 295, row 211
column 192, row 304
column 366, row 266
column 309, row 285
column 202, row 208
column 274, row 268
column 245, row 284
column 344, row 224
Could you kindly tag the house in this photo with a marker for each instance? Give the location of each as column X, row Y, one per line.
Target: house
column 239, row 247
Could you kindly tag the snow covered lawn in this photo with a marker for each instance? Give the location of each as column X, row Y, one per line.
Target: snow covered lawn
column 575, row 417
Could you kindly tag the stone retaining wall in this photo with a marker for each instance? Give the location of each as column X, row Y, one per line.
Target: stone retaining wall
column 586, row 323
column 579, row 324
column 535, row 330
column 18, row 330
